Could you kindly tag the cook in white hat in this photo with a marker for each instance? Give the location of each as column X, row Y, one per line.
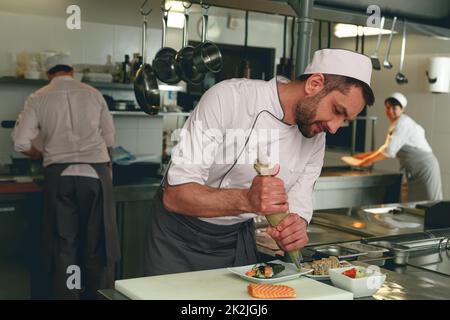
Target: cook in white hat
column 220, row 194
column 406, row 141
column 60, row 59
column 76, row 134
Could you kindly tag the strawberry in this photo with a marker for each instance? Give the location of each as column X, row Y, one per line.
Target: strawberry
column 350, row 273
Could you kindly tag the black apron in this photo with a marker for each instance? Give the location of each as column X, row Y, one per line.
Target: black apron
column 48, row 229
column 179, row 243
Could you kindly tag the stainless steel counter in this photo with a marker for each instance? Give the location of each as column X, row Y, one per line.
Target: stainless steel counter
column 403, row 282
column 340, row 187
column 367, row 221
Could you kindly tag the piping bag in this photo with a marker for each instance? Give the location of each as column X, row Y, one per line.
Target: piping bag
column 263, row 167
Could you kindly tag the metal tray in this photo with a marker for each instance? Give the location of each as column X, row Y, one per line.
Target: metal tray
column 372, row 251
column 419, row 245
column 338, row 251
column 402, row 250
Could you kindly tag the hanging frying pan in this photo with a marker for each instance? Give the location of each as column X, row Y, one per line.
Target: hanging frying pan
column 146, row 88
column 164, row 61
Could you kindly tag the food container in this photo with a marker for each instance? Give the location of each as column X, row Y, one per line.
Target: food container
column 360, row 287
column 372, row 251
column 337, row 251
column 400, row 252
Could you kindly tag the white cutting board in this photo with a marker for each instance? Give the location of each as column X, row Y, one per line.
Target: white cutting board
column 217, row 284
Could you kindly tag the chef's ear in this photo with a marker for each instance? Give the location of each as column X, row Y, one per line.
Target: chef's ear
column 314, row 83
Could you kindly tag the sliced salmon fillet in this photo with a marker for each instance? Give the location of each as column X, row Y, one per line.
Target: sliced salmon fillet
column 270, row 291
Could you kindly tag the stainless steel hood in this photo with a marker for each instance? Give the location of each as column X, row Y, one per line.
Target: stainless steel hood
column 413, row 9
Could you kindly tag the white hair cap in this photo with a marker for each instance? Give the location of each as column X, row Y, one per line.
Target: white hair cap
column 58, row 59
column 341, row 62
column 400, row 98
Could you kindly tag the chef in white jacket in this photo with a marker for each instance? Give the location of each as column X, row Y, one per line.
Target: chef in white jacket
column 75, row 129
column 202, row 217
column 406, row 141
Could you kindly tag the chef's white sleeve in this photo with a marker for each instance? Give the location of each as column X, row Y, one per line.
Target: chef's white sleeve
column 199, row 139
column 26, row 128
column 300, row 196
column 395, row 141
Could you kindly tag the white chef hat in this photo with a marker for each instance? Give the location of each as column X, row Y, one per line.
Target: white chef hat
column 400, row 98
column 58, row 59
column 341, row 62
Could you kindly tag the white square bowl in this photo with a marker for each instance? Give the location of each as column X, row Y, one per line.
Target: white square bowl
column 360, row 287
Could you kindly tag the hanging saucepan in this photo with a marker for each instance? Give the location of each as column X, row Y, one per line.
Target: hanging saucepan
column 164, row 61
column 145, row 84
column 207, row 56
column 184, row 64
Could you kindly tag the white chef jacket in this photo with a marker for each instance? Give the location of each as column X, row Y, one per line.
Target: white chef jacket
column 68, row 121
column 252, row 107
column 404, row 131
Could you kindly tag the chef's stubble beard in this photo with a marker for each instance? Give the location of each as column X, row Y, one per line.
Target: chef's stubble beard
column 305, row 113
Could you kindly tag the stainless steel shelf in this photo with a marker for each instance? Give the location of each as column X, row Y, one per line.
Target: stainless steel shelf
column 98, row 85
column 141, row 113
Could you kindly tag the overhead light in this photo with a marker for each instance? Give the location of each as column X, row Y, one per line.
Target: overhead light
column 174, row 5
column 342, row 30
column 175, row 20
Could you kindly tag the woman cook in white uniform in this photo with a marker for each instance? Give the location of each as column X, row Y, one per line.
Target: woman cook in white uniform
column 406, row 141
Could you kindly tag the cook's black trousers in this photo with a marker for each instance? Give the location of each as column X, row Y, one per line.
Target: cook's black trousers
column 80, row 240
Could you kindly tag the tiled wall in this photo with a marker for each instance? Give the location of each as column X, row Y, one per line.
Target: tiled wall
column 91, row 44
column 139, row 134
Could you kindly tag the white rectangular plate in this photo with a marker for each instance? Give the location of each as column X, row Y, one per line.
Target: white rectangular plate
column 289, row 273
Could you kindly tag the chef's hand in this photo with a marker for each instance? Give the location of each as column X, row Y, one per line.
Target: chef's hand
column 267, row 195
column 290, row 233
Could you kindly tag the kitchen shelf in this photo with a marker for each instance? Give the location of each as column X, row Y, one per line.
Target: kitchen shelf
column 98, row 85
column 142, row 113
